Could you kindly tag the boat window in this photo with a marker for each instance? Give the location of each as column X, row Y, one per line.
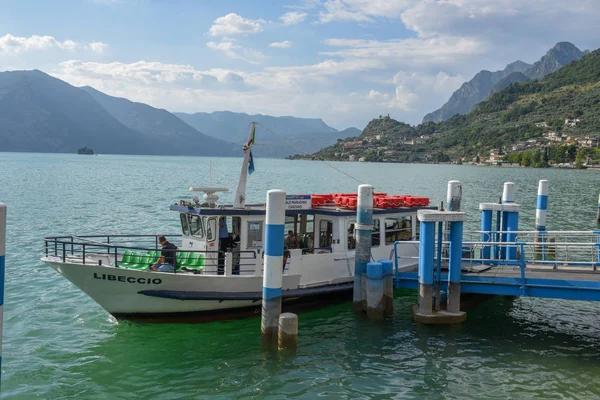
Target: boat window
column 211, row 229
column 236, row 224
column 255, row 234
column 196, row 226
column 305, row 232
column 417, row 228
column 375, row 233
column 351, row 238
column 185, row 227
column 399, row 228
column 325, row 233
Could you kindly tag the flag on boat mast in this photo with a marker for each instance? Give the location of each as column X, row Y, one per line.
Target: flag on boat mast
column 251, row 164
column 249, row 148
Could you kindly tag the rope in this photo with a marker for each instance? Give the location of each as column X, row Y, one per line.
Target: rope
column 306, row 153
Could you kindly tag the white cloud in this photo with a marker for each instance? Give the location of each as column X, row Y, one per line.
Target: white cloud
column 236, row 52
column 377, row 95
column 416, row 90
column 10, row 44
column 362, row 10
column 281, row 45
column 98, row 47
column 415, row 52
column 233, row 24
column 293, row 17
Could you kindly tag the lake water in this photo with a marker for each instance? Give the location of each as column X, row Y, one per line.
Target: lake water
column 58, row 344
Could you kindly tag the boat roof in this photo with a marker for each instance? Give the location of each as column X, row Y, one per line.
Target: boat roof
column 259, row 209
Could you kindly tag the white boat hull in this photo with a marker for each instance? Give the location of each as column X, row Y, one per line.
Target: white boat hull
column 124, row 292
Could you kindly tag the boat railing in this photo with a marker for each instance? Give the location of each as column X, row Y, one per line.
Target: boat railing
column 110, row 250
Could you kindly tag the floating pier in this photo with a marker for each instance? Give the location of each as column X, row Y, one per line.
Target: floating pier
column 505, row 261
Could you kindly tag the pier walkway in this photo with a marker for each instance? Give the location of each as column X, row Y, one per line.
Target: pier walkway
column 553, row 264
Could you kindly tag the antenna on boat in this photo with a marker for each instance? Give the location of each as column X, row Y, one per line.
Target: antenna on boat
column 210, row 193
column 247, row 167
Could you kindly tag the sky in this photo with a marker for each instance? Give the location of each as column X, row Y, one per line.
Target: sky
column 345, row 61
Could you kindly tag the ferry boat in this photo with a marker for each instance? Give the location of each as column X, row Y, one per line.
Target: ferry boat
column 219, row 274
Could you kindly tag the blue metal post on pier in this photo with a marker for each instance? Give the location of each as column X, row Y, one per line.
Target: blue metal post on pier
column 2, row 273
column 363, row 228
column 273, row 271
column 424, row 311
column 486, row 231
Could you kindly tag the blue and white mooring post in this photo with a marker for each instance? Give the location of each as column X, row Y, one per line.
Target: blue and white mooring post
column 375, row 304
column 388, row 286
column 273, row 271
column 363, row 228
column 454, row 196
column 2, row 272
column 541, row 210
column 542, row 206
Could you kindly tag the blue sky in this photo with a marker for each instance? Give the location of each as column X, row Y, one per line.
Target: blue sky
column 345, row 61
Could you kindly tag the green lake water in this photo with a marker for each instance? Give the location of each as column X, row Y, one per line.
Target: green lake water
column 59, row 344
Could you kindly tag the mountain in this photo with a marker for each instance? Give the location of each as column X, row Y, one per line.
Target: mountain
column 559, row 113
column 472, row 92
column 485, row 83
column 44, row 114
column 515, row 77
column 296, row 134
column 162, row 128
column 560, row 55
column 40, row 113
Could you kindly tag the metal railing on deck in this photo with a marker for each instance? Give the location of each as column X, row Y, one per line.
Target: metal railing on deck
column 562, row 254
column 111, row 248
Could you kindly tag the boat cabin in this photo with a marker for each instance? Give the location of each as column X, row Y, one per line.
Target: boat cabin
column 315, row 229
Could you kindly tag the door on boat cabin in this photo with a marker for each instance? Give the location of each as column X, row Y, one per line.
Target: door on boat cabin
column 199, row 233
column 229, row 242
column 193, row 232
column 324, row 235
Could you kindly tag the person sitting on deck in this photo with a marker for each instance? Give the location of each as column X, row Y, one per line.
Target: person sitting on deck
column 167, row 261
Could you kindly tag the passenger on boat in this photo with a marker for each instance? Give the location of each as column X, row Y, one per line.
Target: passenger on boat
column 224, row 243
column 168, row 259
column 290, row 240
column 223, row 234
column 289, row 243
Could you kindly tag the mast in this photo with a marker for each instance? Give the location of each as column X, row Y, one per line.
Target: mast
column 247, row 167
